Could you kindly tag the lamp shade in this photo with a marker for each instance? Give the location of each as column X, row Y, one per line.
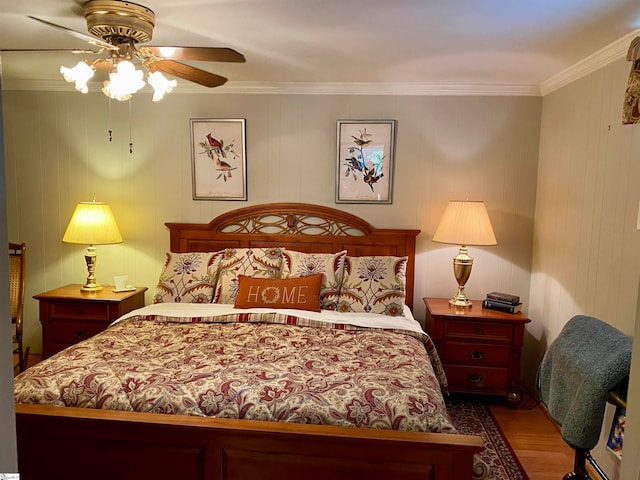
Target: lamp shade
column 92, row 223
column 465, row 223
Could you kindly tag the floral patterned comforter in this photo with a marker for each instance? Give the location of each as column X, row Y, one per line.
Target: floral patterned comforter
column 260, row 366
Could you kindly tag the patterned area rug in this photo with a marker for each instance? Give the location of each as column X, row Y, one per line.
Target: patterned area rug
column 473, row 418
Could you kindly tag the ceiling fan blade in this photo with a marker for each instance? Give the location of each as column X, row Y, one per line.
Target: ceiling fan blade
column 62, row 50
column 82, row 36
column 201, row 54
column 188, row 72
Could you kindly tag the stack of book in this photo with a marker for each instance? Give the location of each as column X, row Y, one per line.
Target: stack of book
column 502, row 302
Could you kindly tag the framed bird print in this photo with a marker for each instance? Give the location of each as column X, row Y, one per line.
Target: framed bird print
column 365, row 161
column 218, row 159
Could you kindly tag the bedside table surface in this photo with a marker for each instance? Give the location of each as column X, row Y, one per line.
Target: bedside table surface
column 73, row 292
column 441, row 307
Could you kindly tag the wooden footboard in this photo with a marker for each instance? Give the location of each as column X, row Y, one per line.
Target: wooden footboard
column 72, row 443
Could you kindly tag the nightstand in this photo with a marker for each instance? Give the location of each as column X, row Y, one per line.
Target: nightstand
column 69, row 315
column 479, row 348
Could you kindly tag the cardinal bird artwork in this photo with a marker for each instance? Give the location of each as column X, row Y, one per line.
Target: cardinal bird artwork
column 221, row 155
column 216, row 145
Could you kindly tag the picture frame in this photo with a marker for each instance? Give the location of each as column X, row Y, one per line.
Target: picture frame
column 365, row 161
column 218, row 158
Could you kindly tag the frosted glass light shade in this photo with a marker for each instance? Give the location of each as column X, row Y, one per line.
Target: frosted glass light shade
column 124, row 82
column 80, row 75
column 161, row 85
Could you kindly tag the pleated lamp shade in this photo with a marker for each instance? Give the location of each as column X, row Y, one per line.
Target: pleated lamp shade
column 465, row 223
column 92, row 223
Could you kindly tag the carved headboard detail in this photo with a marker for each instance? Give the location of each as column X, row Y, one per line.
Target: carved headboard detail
column 297, row 226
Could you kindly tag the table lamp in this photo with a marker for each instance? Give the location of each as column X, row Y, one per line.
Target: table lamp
column 464, row 223
column 92, row 223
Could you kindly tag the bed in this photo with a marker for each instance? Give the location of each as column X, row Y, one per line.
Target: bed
column 278, row 402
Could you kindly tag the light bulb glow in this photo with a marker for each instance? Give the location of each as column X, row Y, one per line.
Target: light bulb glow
column 80, row 75
column 161, row 86
column 124, row 82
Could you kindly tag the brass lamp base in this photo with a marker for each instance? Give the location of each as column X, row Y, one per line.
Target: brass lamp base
column 462, row 264
column 91, row 285
column 460, row 300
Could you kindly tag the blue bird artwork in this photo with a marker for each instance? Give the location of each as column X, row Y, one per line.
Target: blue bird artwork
column 357, row 164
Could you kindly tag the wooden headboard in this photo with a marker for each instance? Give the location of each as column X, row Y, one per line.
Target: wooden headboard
column 296, row 226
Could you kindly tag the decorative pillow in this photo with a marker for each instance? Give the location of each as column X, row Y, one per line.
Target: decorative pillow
column 188, row 277
column 302, row 293
column 374, row 285
column 331, row 265
column 251, row 262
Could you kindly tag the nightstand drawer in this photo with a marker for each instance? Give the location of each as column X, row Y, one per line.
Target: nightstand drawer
column 67, row 333
column 472, row 377
column 69, row 315
column 479, row 330
column 480, row 348
column 83, row 310
column 469, row 353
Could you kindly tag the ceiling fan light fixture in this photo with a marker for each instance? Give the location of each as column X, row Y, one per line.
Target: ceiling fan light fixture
column 124, row 82
column 119, row 27
column 106, row 18
column 80, row 75
column 114, row 94
column 161, row 85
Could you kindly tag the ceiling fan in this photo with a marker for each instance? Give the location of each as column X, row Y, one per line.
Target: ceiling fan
column 121, row 28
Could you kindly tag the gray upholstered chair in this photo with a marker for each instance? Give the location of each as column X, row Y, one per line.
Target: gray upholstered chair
column 586, row 366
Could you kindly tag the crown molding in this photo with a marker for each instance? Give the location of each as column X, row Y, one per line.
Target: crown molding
column 301, row 88
column 599, row 59
column 372, row 88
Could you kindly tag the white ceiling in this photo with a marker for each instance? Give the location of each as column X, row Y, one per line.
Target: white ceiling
column 402, row 45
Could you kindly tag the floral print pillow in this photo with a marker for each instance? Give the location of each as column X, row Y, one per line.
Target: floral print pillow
column 374, row 284
column 331, row 265
column 188, row 278
column 251, row 262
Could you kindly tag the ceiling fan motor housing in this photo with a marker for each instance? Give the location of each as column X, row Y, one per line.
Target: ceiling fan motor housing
column 112, row 18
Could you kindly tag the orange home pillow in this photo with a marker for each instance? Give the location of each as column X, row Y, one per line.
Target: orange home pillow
column 302, row 293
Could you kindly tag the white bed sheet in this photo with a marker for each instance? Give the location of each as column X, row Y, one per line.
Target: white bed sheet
column 370, row 320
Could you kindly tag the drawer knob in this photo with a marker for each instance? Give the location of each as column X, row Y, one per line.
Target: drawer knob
column 474, row 377
column 476, row 354
column 80, row 334
column 478, row 330
column 79, row 311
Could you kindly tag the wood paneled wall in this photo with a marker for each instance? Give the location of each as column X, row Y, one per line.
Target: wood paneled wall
column 58, row 153
column 585, row 254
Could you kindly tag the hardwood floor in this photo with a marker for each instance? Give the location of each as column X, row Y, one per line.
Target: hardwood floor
column 533, row 436
column 535, row 439
column 32, row 360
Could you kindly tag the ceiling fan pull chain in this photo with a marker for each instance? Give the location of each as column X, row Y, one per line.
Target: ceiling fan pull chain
column 109, row 125
column 130, row 129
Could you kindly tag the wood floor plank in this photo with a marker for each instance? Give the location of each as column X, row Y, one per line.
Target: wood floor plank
column 536, row 441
